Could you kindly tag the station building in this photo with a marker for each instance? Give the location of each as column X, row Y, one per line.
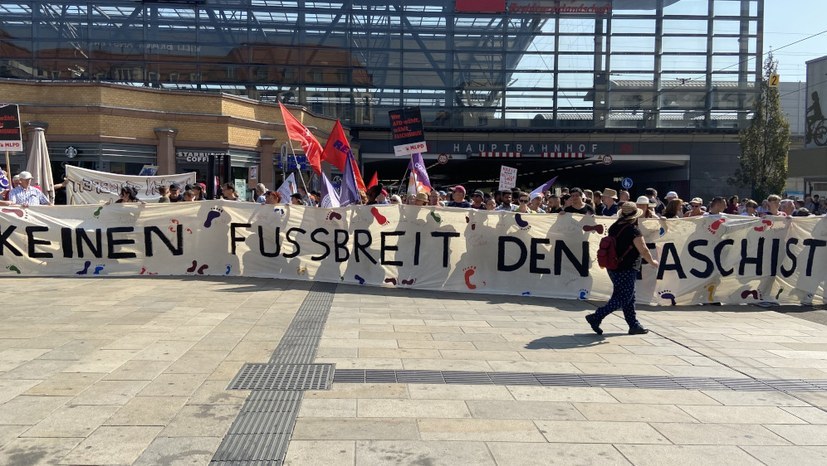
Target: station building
column 591, row 91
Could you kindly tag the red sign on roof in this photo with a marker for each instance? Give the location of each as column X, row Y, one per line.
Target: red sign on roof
column 480, row 6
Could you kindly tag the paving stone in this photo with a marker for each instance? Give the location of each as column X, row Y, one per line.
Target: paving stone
column 328, row 408
column 486, row 430
column 65, row 384
column 355, row 429
column 492, row 409
column 810, row 414
column 785, row 456
column 685, row 455
column 718, row 434
column 148, row 411
column 571, row 394
column 98, row 447
column 29, row 410
column 655, row 396
column 802, row 434
column 421, row 453
column 412, row 408
column 12, row 387
column 634, row 412
column 581, row 431
column 109, row 392
column 359, row 390
column 740, row 415
column 11, row 432
column 458, row 392
column 539, row 454
column 332, row 453
column 173, row 385
column 201, row 421
column 179, row 451
column 744, row 398
column 27, row 451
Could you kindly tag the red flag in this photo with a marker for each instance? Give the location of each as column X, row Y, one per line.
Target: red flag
column 374, row 181
column 298, row 132
column 336, row 151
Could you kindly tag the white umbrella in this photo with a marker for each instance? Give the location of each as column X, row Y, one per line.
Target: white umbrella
column 40, row 165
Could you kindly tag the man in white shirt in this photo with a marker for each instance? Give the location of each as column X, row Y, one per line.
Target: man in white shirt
column 26, row 194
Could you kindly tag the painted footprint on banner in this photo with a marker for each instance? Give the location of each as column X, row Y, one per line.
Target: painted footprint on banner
column 408, row 282
column 716, row 225
column 213, row 214
column 523, row 224
column 97, row 212
column 380, row 219
column 17, row 212
column 667, row 294
column 595, row 228
column 584, row 294
column 359, row 279
column 710, row 290
column 301, row 270
column 391, row 280
column 778, row 295
column 526, row 293
column 229, row 269
column 469, row 272
column 98, row 269
column 766, row 224
column 192, row 268
column 436, row 216
column 202, row 269
column 85, row 268
column 14, row 269
column 174, row 225
column 333, row 216
column 755, row 294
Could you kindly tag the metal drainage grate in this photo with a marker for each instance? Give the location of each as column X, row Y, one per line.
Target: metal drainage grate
column 283, row 377
column 573, row 380
column 261, row 432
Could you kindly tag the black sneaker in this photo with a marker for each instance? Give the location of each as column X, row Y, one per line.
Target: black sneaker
column 638, row 330
column 595, row 325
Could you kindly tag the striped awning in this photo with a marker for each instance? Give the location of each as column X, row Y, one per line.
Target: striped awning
column 501, row 155
column 563, row 155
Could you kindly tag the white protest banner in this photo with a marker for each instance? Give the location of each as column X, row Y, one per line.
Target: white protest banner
column 84, row 186
column 508, row 178
column 725, row 259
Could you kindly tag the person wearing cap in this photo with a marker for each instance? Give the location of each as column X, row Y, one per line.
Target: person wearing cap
column 536, row 203
column 25, row 194
column 695, row 208
column 630, row 248
column 175, row 194
column 296, row 199
column 421, row 199
column 458, row 198
column 395, row 199
column 608, row 203
column 647, row 205
column 669, row 196
column 478, row 200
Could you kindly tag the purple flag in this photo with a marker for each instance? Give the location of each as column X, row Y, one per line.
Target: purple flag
column 4, row 180
column 329, row 196
column 542, row 188
column 350, row 191
column 419, row 174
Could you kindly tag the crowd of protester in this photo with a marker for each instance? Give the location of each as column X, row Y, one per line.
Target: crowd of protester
column 23, row 192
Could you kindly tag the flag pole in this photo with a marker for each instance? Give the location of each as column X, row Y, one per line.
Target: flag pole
column 8, row 167
column 298, row 168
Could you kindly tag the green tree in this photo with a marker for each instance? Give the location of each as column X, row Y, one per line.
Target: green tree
column 765, row 143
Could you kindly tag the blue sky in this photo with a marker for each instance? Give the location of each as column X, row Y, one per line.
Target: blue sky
column 787, row 21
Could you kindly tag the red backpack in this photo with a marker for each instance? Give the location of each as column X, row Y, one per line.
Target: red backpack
column 607, row 257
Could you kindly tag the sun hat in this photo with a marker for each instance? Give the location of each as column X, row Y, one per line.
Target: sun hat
column 608, row 192
column 696, row 200
column 628, row 211
column 421, row 197
column 643, row 200
column 25, row 175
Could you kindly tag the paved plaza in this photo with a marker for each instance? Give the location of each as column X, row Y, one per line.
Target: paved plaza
column 105, row 371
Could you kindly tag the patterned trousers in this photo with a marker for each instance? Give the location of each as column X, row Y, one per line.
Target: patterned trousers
column 623, row 296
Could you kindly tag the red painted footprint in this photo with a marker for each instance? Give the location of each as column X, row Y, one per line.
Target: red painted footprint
column 17, row 212
column 747, row 293
column 378, row 216
column 391, row 280
column 714, row 226
column 469, row 272
column 766, row 224
column 596, row 228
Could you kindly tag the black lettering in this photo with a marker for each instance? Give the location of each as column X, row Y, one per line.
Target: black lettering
column 360, row 246
column 261, row 249
column 176, row 250
column 669, row 249
column 446, row 242
column 320, row 243
column 112, row 243
column 96, row 247
column 4, row 242
column 340, row 238
column 536, row 256
column 786, row 273
column 66, row 242
column 582, row 266
column 501, row 266
column 389, row 247
column 296, row 245
column 692, row 249
column 776, row 246
column 719, row 251
column 235, row 238
column 758, row 260
column 30, row 231
column 813, row 244
column 417, row 245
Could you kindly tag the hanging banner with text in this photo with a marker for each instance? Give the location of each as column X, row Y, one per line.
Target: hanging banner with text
column 407, row 132
column 11, row 139
column 84, row 186
column 702, row 260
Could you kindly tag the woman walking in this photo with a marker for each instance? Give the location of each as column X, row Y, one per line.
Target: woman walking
column 630, row 249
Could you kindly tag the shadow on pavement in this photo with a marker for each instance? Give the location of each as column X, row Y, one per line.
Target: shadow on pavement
column 578, row 340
